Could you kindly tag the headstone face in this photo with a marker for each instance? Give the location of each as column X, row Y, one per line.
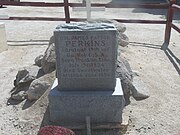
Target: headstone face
column 86, row 56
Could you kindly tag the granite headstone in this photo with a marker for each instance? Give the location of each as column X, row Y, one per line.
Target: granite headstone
column 86, row 56
column 86, row 84
column 3, row 40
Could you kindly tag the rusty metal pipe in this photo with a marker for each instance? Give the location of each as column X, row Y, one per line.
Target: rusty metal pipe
column 168, row 24
column 35, row 4
column 175, row 27
column 66, row 11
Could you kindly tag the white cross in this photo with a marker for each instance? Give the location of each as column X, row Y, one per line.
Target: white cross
column 88, row 9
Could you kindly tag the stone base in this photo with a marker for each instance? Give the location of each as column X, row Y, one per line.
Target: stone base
column 73, row 106
column 3, row 40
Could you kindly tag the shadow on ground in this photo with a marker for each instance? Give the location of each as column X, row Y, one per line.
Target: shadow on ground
column 173, row 59
column 171, row 56
column 162, row 12
column 153, row 46
column 138, row 1
column 26, row 105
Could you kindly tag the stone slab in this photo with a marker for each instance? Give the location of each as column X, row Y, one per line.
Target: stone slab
column 3, row 40
column 86, row 56
column 72, row 107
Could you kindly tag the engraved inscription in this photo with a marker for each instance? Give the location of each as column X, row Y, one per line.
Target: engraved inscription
column 86, row 56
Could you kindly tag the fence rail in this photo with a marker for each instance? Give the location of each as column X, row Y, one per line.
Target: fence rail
column 47, row 4
column 170, row 6
column 34, row 4
column 176, row 7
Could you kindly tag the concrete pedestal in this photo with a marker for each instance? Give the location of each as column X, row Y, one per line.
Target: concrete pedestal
column 73, row 106
column 3, row 40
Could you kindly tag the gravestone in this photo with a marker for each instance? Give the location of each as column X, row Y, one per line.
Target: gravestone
column 3, row 40
column 86, row 56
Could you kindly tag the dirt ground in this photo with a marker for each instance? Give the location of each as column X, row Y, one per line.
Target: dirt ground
column 157, row 70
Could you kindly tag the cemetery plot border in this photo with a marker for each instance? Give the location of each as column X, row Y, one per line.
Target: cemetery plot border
column 170, row 6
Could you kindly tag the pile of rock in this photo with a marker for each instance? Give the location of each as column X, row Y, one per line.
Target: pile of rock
column 31, row 82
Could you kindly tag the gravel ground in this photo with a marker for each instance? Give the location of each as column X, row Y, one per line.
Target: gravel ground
column 157, row 70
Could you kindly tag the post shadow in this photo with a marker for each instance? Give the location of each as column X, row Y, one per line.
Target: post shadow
column 173, row 59
column 46, row 120
column 148, row 45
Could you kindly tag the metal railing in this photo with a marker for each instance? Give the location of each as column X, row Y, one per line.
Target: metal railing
column 169, row 24
column 170, row 6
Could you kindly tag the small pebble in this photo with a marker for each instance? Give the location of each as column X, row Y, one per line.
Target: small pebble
column 16, row 118
column 10, row 119
column 15, row 124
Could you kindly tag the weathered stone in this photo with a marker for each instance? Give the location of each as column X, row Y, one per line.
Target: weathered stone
column 123, row 70
column 73, row 106
column 26, row 75
column 49, row 63
column 3, row 40
column 86, row 56
column 39, row 86
column 49, row 59
column 142, row 90
column 36, row 89
column 38, row 60
column 119, row 26
column 123, row 40
column 19, row 96
column 125, row 73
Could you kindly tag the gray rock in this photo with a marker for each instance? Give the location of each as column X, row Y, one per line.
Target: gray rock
column 124, row 70
column 39, row 86
column 38, row 60
column 120, row 27
column 142, row 92
column 19, row 96
column 49, row 60
column 123, row 40
column 125, row 73
column 26, row 75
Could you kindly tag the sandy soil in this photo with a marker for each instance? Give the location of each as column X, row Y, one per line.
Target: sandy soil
column 157, row 71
